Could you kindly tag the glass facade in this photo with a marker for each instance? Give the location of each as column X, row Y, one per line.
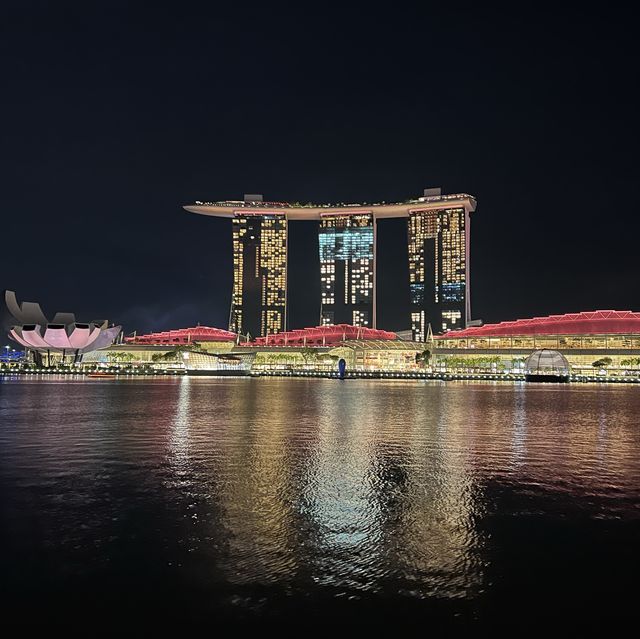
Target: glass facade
column 562, row 343
column 507, row 353
column 347, row 269
column 259, row 298
column 438, row 288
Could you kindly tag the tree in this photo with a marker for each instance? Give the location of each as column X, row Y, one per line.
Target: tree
column 308, row 354
column 424, row 357
column 602, row 363
column 174, row 354
column 120, row 357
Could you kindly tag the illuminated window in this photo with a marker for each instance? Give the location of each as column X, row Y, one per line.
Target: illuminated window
column 259, row 274
column 437, row 269
column 347, row 268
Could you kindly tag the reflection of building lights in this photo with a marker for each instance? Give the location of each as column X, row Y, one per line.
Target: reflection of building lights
column 179, row 434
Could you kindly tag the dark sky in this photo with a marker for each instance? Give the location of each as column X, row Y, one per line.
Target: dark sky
column 114, row 116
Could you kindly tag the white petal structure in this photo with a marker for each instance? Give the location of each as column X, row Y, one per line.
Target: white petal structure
column 106, row 337
column 82, row 338
column 16, row 337
column 29, row 336
column 56, row 337
column 32, row 329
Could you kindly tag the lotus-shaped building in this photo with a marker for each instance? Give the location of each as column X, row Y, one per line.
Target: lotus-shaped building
column 30, row 327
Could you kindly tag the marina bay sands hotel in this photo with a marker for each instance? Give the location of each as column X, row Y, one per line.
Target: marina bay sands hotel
column 438, row 242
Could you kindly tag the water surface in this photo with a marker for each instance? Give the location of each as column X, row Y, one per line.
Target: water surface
column 277, row 499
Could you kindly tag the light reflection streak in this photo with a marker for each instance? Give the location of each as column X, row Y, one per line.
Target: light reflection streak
column 519, row 425
column 381, row 504
column 339, row 497
column 256, row 500
column 179, row 440
column 353, row 490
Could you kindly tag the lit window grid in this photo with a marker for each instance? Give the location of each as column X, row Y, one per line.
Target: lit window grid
column 327, row 318
column 361, row 281
column 418, row 326
column 451, row 320
column 270, row 268
column 327, row 281
column 273, row 267
column 239, row 233
column 450, row 225
column 346, row 237
column 360, row 317
column 271, row 321
column 351, row 240
column 273, row 261
column 448, row 229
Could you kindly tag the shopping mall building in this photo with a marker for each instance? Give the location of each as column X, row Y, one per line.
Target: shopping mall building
column 583, row 338
column 316, row 349
column 609, row 337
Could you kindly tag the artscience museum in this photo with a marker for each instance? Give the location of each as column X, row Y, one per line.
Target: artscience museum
column 63, row 336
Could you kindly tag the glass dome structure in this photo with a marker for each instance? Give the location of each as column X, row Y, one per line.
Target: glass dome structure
column 547, row 362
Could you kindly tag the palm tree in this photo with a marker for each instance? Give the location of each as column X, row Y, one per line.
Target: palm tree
column 174, row 354
column 602, row 363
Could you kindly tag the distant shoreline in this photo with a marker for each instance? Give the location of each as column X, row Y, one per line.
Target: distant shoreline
column 388, row 375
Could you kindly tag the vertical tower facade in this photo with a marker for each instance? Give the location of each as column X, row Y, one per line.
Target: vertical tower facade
column 259, row 298
column 438, row 228
column 348, row 269
column 438, row 270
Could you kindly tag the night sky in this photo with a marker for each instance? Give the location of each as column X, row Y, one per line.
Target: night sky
column 114, row 116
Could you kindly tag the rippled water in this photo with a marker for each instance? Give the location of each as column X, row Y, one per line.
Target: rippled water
column 454, row 503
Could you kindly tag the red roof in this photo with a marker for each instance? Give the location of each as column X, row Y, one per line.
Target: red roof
column 184, row 336
column 585, row 323
column 324, row 336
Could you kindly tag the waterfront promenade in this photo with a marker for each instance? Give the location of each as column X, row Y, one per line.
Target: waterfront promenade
column 310, row 374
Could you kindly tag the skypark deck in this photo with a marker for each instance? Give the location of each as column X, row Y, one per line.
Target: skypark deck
column 296, row 211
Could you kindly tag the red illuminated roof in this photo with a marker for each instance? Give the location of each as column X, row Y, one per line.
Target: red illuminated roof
column 324, row 336
column 184, row 336
column 585, row 323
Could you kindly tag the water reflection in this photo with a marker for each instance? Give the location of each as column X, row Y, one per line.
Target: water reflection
column 519, row 439
column 256, row 496
column 339, row 495
column 356, row 488
column 179, row 434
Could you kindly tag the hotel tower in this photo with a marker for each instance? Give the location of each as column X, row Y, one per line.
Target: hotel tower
column 438, row 247
column 259, row 298
column 347, row 269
